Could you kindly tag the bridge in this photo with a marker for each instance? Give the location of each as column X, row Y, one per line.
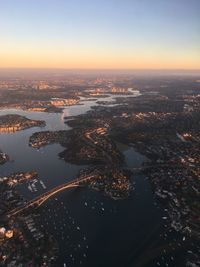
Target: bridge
column 38, row 201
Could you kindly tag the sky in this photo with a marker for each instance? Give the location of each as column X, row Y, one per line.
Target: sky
column 100, row 34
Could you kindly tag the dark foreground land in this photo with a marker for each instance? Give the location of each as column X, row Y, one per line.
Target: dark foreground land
column 21, row 238
column 163, row 124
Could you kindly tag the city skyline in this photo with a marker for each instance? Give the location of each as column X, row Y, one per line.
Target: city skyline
column 100, row 34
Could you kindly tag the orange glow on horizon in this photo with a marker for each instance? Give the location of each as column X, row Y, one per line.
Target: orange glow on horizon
column 91, row 58
column 103, row 62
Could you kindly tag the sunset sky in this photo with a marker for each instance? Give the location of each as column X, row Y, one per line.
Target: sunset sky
column 116, row 34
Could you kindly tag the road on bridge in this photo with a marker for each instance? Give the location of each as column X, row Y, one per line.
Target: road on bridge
column 38, row 201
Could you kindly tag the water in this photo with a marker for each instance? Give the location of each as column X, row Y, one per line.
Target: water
column 52, row 170
column 92, row 230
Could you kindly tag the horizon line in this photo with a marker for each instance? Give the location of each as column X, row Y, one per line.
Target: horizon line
column 95, row 69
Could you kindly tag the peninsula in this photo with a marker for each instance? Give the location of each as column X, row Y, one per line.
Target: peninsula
column 13, row 122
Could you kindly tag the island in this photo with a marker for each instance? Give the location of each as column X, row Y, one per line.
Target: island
column 3, row 158
column 13, row 122
column 81, row 146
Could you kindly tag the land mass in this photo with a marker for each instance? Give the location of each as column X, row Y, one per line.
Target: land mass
column 14, row 122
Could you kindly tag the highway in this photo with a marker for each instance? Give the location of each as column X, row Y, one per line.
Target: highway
column 94, row 143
